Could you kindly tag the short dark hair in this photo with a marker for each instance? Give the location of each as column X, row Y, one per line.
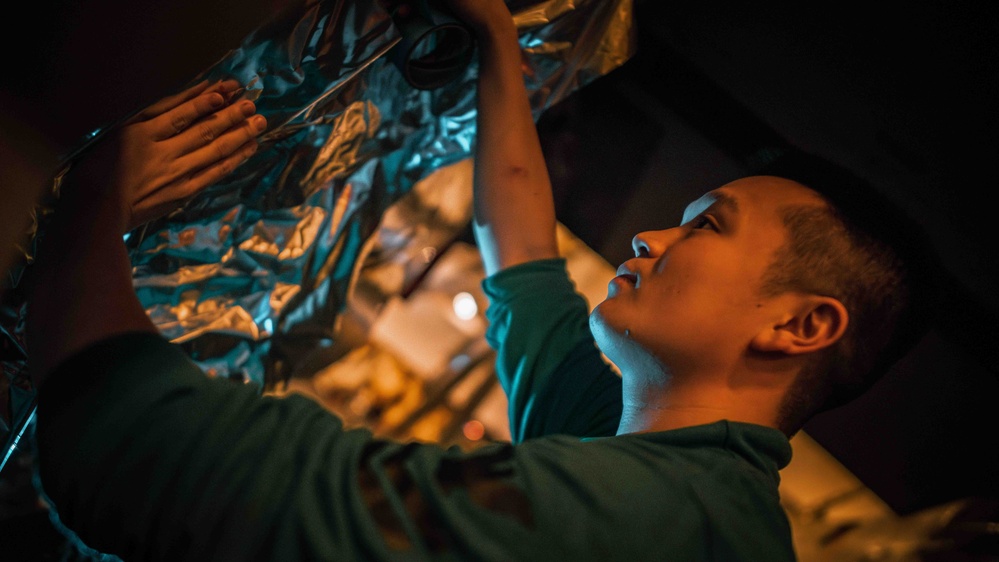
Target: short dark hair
column 865, row 251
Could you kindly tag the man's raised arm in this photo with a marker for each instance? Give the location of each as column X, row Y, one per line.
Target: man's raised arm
column 551, row 371
column 82, row 292
column 514, row 212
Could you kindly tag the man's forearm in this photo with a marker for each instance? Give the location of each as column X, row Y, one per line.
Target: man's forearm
column 82, row 290
column 514, row 210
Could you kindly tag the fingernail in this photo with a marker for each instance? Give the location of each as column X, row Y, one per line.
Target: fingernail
column 247, row 107
column 231, row 95
column 259, row 122
column 216, row 100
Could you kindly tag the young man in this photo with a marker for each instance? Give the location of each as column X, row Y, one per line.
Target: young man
column 730, row 330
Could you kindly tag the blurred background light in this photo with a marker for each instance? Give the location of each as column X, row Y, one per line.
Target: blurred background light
column 465, row 306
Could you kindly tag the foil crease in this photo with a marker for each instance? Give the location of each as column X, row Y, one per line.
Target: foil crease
column 251, row 276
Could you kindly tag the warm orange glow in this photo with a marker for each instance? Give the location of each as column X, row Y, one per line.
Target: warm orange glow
column 474, row 430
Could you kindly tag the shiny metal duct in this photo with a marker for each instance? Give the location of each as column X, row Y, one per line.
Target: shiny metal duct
column 252, row 275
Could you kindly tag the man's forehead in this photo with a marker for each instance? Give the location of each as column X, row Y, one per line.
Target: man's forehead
column 752, row 194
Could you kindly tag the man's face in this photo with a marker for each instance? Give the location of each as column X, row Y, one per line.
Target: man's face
column 690, row 298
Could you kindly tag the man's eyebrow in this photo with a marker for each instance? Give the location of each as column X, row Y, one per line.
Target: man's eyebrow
column 720, row 199
column 726, row 201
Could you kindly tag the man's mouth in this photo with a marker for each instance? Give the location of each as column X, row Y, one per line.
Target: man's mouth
column 627, row 275
column 623, row 278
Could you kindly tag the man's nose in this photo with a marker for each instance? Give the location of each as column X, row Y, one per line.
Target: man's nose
column 639, row 244
column 651, row 243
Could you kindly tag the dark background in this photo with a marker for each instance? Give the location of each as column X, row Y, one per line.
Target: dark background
column 905, row 98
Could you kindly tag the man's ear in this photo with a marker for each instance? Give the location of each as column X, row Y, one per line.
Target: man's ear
column 816, row 323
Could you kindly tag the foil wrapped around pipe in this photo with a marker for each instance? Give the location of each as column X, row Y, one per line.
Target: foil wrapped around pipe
column 251, row 275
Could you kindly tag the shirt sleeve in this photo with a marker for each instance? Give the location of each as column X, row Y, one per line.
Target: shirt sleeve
column 553, row 374
column 146, row 458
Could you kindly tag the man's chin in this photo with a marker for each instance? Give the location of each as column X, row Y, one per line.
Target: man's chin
column 605, row 332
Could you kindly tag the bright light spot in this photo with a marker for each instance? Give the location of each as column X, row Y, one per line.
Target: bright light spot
column 464, row 306
column 268, row 325
column 473, row 430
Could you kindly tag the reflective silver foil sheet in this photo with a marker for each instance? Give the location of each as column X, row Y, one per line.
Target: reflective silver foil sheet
column 251, row 276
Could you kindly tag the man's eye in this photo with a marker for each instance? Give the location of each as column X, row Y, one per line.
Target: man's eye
column 704, row 222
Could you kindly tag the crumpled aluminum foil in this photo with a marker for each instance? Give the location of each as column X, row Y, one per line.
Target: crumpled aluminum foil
column 250, row 276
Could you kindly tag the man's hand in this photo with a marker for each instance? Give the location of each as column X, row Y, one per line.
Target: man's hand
column 481, row 15
column 155, row 162
column 142, row 170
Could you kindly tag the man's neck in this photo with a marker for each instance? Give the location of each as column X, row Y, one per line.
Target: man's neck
column 673, row 405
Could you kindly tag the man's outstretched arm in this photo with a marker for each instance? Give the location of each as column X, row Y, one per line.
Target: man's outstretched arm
column 82, row 291
column 514, row 211
column 553, row 375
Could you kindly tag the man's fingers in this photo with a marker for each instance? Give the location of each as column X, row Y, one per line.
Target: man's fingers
column 228, row 89
column 211, row 127
column 174, row 194
column 225, row 88
column 215, row 172
column 170, row 102
column 226, row 144
column 179, row 120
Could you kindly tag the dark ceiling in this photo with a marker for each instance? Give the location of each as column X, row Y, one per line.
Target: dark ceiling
column 905, row 98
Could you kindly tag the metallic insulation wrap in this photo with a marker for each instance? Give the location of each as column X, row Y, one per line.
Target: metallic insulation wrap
column 250, row 276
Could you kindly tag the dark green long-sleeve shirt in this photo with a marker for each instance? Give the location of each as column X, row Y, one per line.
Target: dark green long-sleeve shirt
column 146, row 458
